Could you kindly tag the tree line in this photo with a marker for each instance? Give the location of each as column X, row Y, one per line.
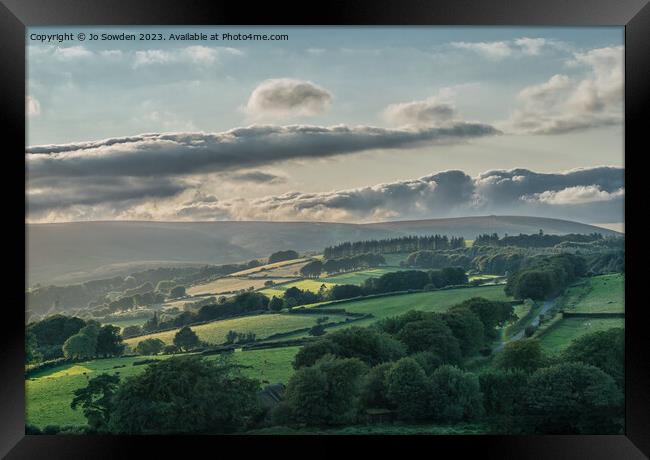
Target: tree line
column 535, row 240
column 394, row 245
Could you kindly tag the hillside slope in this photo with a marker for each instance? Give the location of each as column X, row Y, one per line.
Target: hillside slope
column 78, row 251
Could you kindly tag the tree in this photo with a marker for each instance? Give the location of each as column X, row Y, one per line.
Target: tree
column 185, row 395
column 312, row 269
column 79, row 346
column 52, row 332
column 317, row 330
column 603, row 349
column 370, row 346
column 177, row 291
column 186, row 339
column 374, row 388
column 32, row 354
column 109, row 341
column 431, row 334
column 408, row 389
column 150, row 347
column 280, row 256
column 524, row 354
column 131, row 331
column 493, row 314
column 467, row 328
column 326, row 393
column 275, row 304
column 95, row 399
column 152, row 323
column 312, row 352
column 456, row 394
column 503, row 391
column 574, row 398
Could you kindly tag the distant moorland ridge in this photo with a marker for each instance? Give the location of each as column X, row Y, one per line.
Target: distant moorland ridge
column 62, row 253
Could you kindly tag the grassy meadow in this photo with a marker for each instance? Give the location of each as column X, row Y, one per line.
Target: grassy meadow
column 560, row 335
column 262, row 325
column 50, row 392
column 599, row 294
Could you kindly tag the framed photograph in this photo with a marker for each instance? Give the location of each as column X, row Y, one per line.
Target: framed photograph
column 383, row 223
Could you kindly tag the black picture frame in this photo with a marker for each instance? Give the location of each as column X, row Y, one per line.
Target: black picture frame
column 634, row 15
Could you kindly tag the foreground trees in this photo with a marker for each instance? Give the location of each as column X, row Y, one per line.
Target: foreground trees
column 326, row 393
column 573, row 398
column 184, row 395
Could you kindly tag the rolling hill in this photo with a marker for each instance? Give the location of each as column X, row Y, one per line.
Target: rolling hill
column 65, row 253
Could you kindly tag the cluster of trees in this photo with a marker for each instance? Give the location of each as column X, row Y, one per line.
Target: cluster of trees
column 240, row 337
column 339, row 378
column 535, row 240
column 173, row 396
column 184, row 340
column 406, row 364
column 404, row 280
column 438, row 259
column 94, row 340
column 314, row 268
column 394, row 245
column 544, row 277
column 61, row 336
column 45, row 338
column 280, row 256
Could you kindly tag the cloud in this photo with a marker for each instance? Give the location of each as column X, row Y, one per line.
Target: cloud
column 32, row 106
column 175, row 154
column 589, row 194
column 491, row 50
column 54, row 194
column 197, row 54
column 126, row 166
column 71, row 53
column 499, row 50
column 430, row 111
column 575, row 195
column 286, row 96
column 562, row 104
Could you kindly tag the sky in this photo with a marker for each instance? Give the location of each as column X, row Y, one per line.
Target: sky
column 338, row 124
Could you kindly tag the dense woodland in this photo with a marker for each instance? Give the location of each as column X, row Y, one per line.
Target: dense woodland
column 394, row 245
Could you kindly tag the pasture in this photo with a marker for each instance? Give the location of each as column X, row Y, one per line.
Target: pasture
column 435, row 301
column 215, row 332
column 272, row 267
column 358, row 277
column 598, row 294
column 560, row 335
column 305, row 284
column 49, row 393
column 227, row 284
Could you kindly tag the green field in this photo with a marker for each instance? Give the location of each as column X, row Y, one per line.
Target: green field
column 308, row 284
column 560, row 336
column 438, row 301
column 393, row 260
column 215, row 332
column 598, row 294
column 360, row 276
column 49, row 393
